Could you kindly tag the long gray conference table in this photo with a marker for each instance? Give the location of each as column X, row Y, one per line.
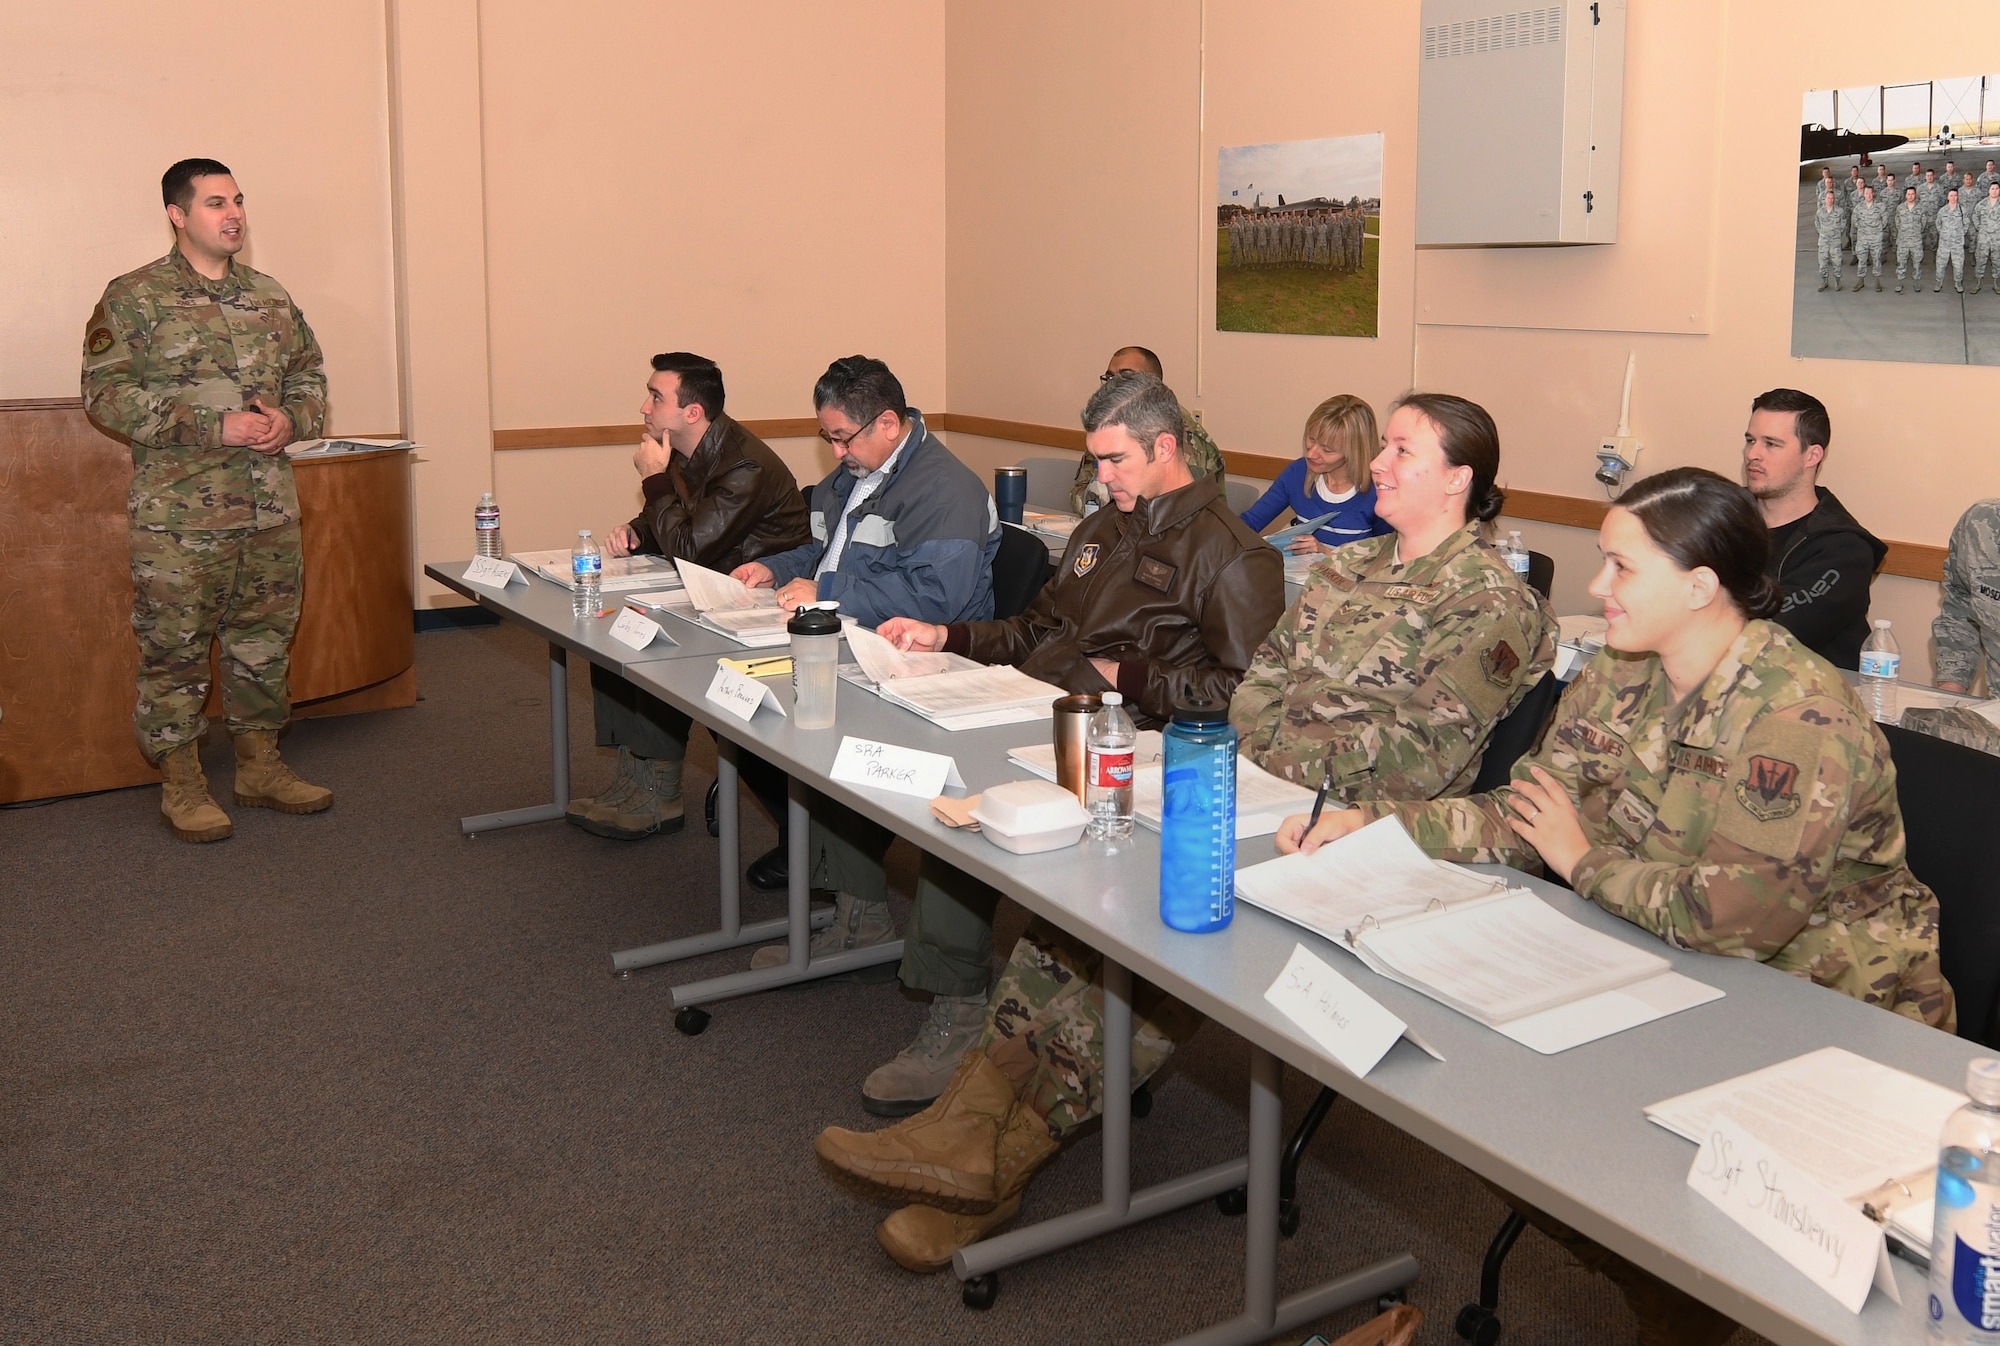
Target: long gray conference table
column 1566, row 1133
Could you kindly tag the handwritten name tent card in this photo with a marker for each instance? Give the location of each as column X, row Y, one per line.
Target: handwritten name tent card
column 740, row 694
column 493, row 572
column 636, row 629
column 1838, row 1248
column 884, row 766
column 1348, row 1023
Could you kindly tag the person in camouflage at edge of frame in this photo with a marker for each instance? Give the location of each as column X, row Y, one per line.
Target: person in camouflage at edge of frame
column 1967, row 626
column 209, row 370
column 1710, row 780
column 1830, row 221
column 1986, row 237
column 1203, row 458
column 1038, row 1071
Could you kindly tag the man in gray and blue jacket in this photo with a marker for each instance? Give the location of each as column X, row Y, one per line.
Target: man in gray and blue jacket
column 900, row 528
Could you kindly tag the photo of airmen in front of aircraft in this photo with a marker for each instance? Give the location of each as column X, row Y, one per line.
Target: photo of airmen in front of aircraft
column 1297, row 237
column 1898, row 253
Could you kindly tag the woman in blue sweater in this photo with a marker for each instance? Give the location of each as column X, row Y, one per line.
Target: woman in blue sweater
column 1332, row 478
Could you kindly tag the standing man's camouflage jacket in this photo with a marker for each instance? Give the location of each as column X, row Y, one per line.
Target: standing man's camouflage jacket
column 166, row 353
column 1391, row 677
column 1968, row 620
column 1758, row 819
column 1197, row 450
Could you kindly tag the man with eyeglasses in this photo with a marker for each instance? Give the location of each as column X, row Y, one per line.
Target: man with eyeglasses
column 1203, row 458
column 899, row 528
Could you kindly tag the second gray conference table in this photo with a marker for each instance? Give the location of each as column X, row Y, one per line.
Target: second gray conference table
column 1564, row 1132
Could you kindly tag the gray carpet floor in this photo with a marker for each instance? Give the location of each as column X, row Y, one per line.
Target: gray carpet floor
column 355, row 1078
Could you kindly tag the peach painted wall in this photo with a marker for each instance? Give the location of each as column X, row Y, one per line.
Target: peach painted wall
column 97, row 98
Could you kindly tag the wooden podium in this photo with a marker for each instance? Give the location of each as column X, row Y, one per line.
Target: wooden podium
column 68, row 659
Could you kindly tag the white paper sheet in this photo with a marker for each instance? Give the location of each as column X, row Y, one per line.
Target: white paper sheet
column 1376, row 874
column 619, row 574
column 1263, row 801
column 882, row 662
column 968, row 690
column 1039, row 759
column 1599, row 1016
column 1851, row 1123
column 711, row 589
column 1503, row 957
column 677, row 601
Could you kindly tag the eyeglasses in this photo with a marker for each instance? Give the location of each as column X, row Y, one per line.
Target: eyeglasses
column 844, row 440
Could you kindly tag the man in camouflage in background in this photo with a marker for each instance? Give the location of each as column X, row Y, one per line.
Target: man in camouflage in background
column 1951, row 234
column 1871, row 226
column 1831, row 223
column 1910, row 228
column 1986, row 237
column 1967, row 626
column 210, row 370
column 1203, row 458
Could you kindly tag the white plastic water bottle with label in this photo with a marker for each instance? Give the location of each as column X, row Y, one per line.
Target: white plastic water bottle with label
column 1516, row 552
column 1964, row 1308
column 486, row 527
column 1881, row 661
column 1107, row 748
column 586, row 575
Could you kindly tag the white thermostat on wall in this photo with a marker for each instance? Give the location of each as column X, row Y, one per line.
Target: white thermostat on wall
column 1518, row 118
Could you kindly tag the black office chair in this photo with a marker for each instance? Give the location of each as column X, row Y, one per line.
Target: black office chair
column 1514, row 736
column 1541, row 572
column 1020, row 568
column 1945, row 792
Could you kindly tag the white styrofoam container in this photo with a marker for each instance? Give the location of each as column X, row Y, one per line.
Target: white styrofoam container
column 1026, row 816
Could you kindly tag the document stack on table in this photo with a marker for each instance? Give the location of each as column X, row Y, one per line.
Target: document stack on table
column 1864, row 1131
column 732, row 608
column 949, row 690
column 1049, row 525
column 1263, row 801
column 1499, row 955
column 620, row 572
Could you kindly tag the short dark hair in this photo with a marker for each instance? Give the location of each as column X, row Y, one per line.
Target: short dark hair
column 1469, row 439
column 1701, row 519
column 1151, row 361
column 701, row 379
column 860, row 388
column 1145, row 407
column 1809, row 419
column 177, row 183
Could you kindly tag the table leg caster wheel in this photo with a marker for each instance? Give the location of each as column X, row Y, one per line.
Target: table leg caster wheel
column 691, row 1021
column 1480, row 1326
column 1389, row 1299
column 1288, row 1219
column 708, row 808
column 1232, row 1202
column 1142, row 1102
column 980, row 1291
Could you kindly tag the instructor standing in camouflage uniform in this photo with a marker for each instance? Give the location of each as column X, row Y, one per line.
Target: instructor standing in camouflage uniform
column 210, row 370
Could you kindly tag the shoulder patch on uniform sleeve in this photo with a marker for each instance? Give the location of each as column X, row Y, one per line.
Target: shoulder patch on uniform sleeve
column 1086, row 560
column 100, row 340
column 1499, row 664
column 1766, row 797
column 1769, row 788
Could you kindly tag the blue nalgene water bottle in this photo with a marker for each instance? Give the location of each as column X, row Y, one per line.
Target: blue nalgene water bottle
column 1198, row 822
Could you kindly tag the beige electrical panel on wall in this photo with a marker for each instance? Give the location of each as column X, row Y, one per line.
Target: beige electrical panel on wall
column 1519, row 111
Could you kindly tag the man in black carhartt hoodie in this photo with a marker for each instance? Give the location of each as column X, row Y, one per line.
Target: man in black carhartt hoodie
column 1822, row 558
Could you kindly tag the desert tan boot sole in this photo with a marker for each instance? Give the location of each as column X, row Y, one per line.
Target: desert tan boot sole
column 902, row 1182
column 267, row 802
column 201, row 834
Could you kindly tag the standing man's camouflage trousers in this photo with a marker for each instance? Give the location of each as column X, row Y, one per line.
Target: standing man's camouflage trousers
column 240, row 587
column 1986, row 250
column 1830, row 259
column 1046, row 1028
column 1867, row 253
column 1912, row 253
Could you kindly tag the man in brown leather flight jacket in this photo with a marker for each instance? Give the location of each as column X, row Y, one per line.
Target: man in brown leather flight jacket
column 1164, row 597
column 716, row 495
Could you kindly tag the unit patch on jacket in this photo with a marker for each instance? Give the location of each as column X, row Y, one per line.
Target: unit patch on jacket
column 1769, row 789
column 1086, row 560
column 1499, row 664
column 1155, row 573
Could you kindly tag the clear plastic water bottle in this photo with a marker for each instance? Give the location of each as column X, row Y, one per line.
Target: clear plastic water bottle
column 486, row 527
column 1516, row 553
column 1107, row 750
column 1964, row 1307
column 586, row 575
column 1198, row 819
column 1880, row 662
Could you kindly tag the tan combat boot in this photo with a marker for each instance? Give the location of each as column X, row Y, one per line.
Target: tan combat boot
column 265, row 782
column 857, row 924
column 943, row 1156
column 923, row 1238
column 622, row 783
column 185, row 804
column 651, row 804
